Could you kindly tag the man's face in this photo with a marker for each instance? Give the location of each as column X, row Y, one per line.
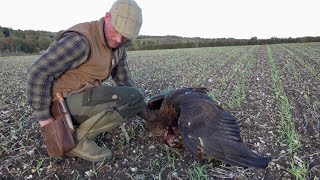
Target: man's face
column 113, row 38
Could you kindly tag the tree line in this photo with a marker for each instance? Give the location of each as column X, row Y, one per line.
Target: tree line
column 174, row 42
column 29, row 41
column 33, row 42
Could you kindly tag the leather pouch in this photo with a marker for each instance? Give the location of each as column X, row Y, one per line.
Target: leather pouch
column 57, row 138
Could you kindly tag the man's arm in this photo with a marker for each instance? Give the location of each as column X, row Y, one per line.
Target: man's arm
column 65, row 53
column 120, row 73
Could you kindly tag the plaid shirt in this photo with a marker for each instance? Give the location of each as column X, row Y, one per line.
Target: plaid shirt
column 67, row 52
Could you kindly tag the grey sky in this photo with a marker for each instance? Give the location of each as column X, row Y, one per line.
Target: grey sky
column 188, row 18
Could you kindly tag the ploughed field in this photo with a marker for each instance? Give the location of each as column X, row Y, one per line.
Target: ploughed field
column 273, row 90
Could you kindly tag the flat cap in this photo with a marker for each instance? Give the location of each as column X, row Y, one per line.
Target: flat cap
column 126, row 17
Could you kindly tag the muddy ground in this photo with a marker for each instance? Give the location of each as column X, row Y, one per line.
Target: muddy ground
column 23, row 154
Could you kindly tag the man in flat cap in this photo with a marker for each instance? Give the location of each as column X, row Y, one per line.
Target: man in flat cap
column 74, row 66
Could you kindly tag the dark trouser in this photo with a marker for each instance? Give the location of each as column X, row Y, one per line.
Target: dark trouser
column 103, row 108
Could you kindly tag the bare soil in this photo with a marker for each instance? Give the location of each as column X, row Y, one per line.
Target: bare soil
column 23, row 154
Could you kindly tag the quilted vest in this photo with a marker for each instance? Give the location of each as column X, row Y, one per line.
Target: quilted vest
column 95, row 69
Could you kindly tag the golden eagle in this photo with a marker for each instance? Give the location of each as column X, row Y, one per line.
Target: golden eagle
column 189, row 117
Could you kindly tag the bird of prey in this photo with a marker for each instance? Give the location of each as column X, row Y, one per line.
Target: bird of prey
column 188, row 117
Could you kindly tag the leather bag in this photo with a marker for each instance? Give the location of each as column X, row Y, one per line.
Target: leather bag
column 57, row 138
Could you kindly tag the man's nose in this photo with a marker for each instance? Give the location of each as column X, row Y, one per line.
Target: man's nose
column 119, row 38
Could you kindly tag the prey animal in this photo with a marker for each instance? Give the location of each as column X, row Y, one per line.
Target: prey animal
column 189, row 118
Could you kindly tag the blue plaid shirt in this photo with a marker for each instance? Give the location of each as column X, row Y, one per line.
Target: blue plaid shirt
column 67, row 52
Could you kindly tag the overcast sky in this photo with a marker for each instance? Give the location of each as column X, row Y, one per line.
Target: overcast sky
column 187, row 18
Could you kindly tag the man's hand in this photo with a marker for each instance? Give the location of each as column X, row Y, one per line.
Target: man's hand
column 45, row 122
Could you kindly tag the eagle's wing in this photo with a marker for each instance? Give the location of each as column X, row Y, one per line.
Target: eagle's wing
column 206, row 127
column 156, row 101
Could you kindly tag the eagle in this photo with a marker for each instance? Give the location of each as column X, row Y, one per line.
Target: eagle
column 188, row 117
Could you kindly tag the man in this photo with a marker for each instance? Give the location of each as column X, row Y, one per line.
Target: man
column 75, row 65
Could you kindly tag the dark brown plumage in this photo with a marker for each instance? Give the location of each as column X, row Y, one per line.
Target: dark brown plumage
column 203, row 126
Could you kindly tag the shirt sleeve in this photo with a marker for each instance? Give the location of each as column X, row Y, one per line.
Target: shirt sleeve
column 120, row 73
column 67, row 52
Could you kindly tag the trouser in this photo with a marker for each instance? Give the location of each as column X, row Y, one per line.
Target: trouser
column 100, row 109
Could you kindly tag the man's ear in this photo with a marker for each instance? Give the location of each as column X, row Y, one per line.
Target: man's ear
column 108, row 15
column 107, row 18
